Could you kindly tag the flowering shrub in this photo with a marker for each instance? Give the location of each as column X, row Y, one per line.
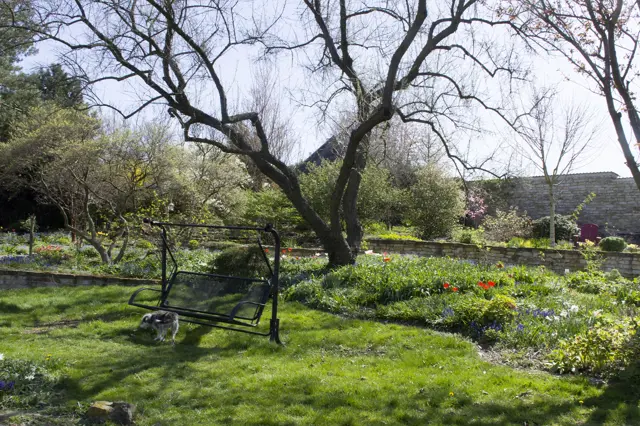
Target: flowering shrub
column 506, row 225
column 476, row 208
column 52, row 253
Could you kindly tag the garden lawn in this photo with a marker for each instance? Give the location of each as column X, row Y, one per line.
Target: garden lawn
column 331, row 371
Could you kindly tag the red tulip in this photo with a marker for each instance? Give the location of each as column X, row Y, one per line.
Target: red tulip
column 491, row 284
column 445, row 285
column 455, row 289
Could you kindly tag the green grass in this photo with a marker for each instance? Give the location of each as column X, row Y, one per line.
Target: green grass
column 331, row 371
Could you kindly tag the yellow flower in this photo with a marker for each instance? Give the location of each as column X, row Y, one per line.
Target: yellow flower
column 450, row 393
column 581, row 402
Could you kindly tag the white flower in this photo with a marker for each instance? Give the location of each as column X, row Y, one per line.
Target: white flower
column 368, row 252
column 564, row 314
column 573, row 309
column 30, row 376
column 1, row 357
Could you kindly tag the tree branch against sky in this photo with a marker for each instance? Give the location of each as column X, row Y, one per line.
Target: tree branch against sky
column 554, row 139
column 424, row 62
column 600, row 39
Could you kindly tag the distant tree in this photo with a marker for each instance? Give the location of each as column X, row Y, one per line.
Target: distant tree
column 379, row 200
column 600, row 38
column 553, row 138
column 56, row 85
column 437, row 203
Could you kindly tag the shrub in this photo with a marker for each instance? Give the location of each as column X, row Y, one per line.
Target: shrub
column 565, row 226
column 398, row 237
column 193, row 244
column 501, row 309
column 507, row 225
column 613, row 244
column 144, row 244
column 52, row 254
column 437, row 203
column 239, row 261
column 378, row 199
column 633, row 248
column 605, row 348
column 271, row 205
column 468, row 235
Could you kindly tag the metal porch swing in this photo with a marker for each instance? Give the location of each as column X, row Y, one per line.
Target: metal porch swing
column 215, row 300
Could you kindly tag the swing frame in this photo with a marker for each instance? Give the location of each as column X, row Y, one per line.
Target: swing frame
column 229, row 321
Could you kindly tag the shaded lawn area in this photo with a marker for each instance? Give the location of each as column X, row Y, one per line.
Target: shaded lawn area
column 332, row 371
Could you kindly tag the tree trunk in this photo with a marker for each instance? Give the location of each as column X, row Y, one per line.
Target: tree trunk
column 616, row 117
column 32, row 228
column 332, row 240
column 552, row 217
column 350, row 205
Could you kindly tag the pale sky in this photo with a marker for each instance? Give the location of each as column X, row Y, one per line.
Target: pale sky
column 606, row 154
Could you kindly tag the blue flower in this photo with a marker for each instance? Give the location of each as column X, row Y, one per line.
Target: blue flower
column 520, row 327
column 447, row 312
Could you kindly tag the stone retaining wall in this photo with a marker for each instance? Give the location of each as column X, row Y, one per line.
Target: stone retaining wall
column 10, row 279
column 628, row 264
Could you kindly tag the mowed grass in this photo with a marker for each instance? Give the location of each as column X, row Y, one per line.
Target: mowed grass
column 331, row 370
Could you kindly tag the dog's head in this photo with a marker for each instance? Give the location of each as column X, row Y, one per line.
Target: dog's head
column 147, row 321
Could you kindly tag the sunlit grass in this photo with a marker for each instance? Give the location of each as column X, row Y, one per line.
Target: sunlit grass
column 331, row 371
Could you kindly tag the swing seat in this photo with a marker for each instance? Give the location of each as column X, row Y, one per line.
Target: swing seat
column 215, row 300
column 209, row 298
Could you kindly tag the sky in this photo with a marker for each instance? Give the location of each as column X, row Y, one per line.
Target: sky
column 605, row 154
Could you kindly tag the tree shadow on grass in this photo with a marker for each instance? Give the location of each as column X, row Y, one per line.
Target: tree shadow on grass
column 10, row 308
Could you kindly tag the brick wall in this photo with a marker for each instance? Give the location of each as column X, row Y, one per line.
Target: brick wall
column 628, row 264
column 616, row 207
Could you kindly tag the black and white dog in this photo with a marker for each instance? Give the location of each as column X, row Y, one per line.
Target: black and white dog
column 161, row 322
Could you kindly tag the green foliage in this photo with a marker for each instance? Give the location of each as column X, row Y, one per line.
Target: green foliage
column 468, row 235
column 505, row 225
column 271, row 206
column 397, row 237
column 633, row 248
column 378, row 199
column 240, row 262
column 605, row 348
column 541, row 243
column 566, row 227
column 26, row 384
column 437, row 202
column 193, row 244
column 501, row 309
column 613, row 244
column 576, row 213
column 144, row 244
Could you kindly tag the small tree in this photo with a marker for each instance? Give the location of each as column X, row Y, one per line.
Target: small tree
column 600, row 39
column 554, row 139
column 437, row 203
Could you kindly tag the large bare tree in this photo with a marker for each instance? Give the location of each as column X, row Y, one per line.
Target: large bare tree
column 600, row 39
column 423, row 63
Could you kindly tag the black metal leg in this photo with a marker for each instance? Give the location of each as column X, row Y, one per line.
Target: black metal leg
column 275, row 331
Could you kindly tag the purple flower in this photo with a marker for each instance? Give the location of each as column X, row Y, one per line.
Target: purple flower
column 520, row 327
